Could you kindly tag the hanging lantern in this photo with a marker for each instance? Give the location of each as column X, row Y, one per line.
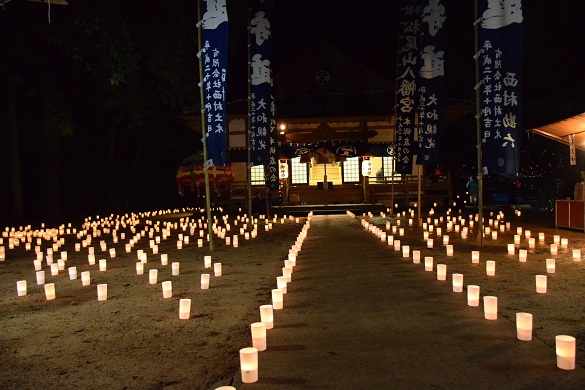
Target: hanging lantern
column 366, row 167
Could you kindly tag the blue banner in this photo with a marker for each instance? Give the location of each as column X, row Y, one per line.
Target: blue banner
column 500, row 56
column 406, row 69
column 431, row 80
column 214, row 36
column 263, row 137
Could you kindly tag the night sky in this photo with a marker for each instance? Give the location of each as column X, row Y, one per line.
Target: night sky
column 93, row 95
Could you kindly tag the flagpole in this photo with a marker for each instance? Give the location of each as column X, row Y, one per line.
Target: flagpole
column 249, row 125
column 204, row 133
column 478, row 129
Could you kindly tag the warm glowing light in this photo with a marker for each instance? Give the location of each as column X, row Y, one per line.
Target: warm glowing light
column 566, row 349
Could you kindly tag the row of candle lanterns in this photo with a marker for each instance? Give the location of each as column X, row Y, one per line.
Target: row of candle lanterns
column 565, row 345
column 258, row 330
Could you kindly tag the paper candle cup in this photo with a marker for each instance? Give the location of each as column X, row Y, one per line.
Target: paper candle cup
column 164, row 259
column 103, row 265
column 577, row 255
column 473, row 295
column 139, row 268
column 457, row 282
column 277, row 302
column 397, row 245
column 416, row 257
column 184, row 309
column 85, row 278
column 490, row 268
column 72, row 273
column 207, row 261
column 441, row 271
column 405, row 251
column 490, row 307
column 287, row 272
column 511, row 249
column 281, row 283
column 175, row 268
column 102, row 291
column 430, row 243
column 475, row 257
column 152, row 276
column 112, row 252
column 249, row 364
column 21, row 288
column 428, row 263
column 554, row 249
column 217, row 269
column 258, row 330
column 541, row 284
column 204, row 281
column 50, row 291
column 566, row 349
column 61, row 264
column 524, row 326
column 550, row 266
column 167, row 289
column 40, row 277
column 267, row 316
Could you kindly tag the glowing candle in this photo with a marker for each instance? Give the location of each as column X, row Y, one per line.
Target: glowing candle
column 281, row 283
column 184, row 309
column 205, row 281
column 128, row 248
column 50, row 291
column 287, row 272
column 564, row 242
column 180, row 244
column 175, row 268
column 428, row 263
column 566, row 349
column 430, row 243
column 40, row 277
column 54, row 269
column 441, row 271
column 457, row 282
column 445, row 239
column 293, row 257
column 475, row 257
column 21, row 288
column 524, row 326
column 490, row 267
column 490, row 307
column 207, row 261
column 258, row 335
column 516, row 239
column 522, row 254
column 249, row 364
column 38, row 265
column 553, row 249
column 217, row 269
column 152, row 276
column 164, row 259
column 167, row 289
column 557, row 239
column 277, row 302
column 267, row 316
column 112, row 252
column 449, row 250
column 577, row 255
column 85, row 278
column 396, row 245
column 72, row 273
column 139, row 268
column 102, row 291
column 550, row 266
column 405, row 251
column 416, row 257
column 511, row 249
column 473, row 295
column 541, row 284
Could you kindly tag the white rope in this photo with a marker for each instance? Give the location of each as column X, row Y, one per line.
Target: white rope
column 49, row 10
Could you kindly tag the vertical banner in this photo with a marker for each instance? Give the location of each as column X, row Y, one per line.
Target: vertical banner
column 572, row 151
column 406, row 69
column 500, row 56
column 431, row 80
column 215, row 42
column 263, row 137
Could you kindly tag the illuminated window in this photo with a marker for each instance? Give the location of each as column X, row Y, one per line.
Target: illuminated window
column 258, row 175
column 299, row 172
column 387, row 163
column 351, row 170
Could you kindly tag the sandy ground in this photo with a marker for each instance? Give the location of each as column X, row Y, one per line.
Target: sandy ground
column 135, row 340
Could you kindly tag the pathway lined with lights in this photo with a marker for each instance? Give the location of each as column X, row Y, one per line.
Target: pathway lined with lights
column 357, row 315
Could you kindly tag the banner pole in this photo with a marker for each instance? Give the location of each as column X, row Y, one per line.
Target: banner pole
column 204, row 134
column 478, row 130
column 249, row 125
